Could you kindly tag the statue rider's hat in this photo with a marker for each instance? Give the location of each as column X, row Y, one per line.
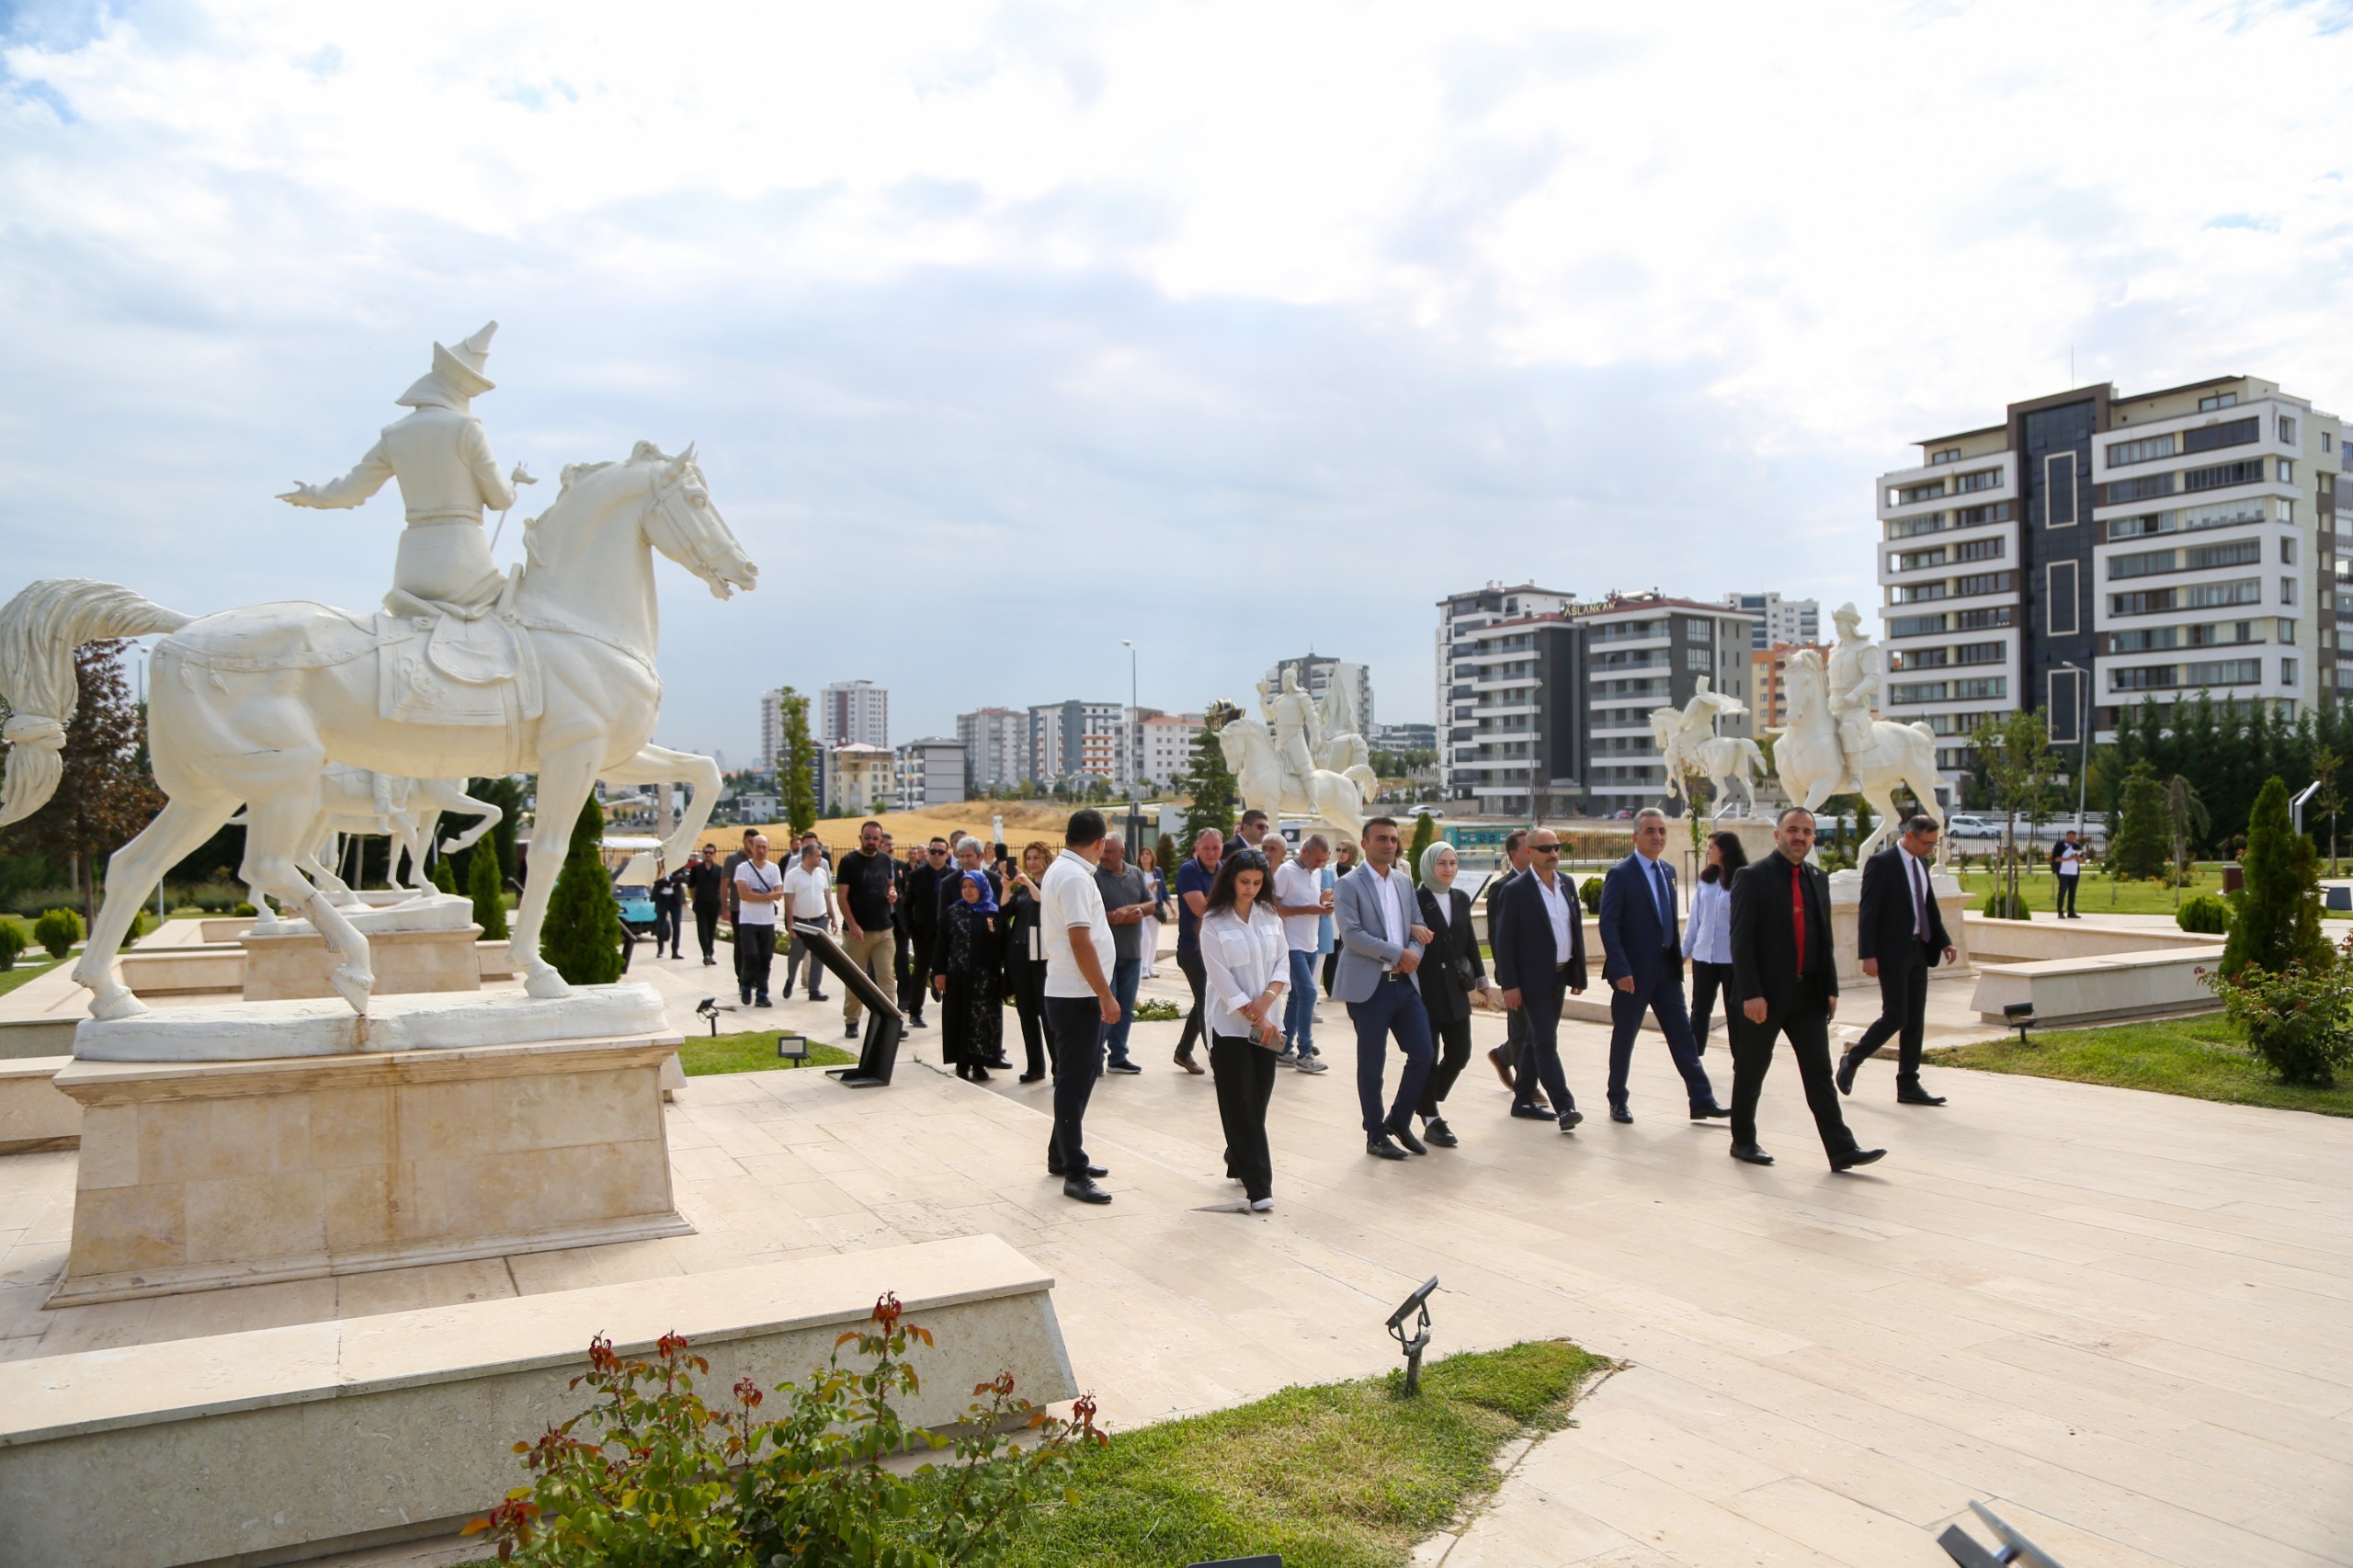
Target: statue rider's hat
column 456, row 371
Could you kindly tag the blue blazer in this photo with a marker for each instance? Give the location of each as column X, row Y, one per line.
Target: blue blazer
column 1632, row 940
column 1522, row 938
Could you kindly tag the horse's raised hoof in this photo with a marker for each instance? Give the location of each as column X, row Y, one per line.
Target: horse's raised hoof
column 354, row 986
column 546, row 984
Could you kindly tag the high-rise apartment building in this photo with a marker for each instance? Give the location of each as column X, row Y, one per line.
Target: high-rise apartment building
column 1780, row 619
column 1646, row 651
column 1461, row 660
column 1071, row 741
column 853, row 712
column 856, row 778
column 996, row 748
column 1769, row 695
column 928, row 773
column 1319, row 673
column 2096, row 549
column 1165, row 742
column 771, row 729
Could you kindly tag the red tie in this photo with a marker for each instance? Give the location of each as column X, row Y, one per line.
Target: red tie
column 1797, row 910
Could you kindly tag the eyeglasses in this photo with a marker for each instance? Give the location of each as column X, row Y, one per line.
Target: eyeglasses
column 935, row 849
column 1543, row 849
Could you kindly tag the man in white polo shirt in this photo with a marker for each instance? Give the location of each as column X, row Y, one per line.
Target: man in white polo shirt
column 807, row 896
column 1079, row 999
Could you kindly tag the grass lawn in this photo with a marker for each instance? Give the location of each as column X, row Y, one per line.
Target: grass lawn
column 750, row 1053
column 1335, row 1475
column 27, row 965
column 2099, row 895
column 2204, row 1058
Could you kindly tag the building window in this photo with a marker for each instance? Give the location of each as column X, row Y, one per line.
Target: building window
column 2123, row 454
column 1983, row 688
column 2286, row 431
column 2059, row 591
column 1983, row 479
column 2059, row 489
column 1950, row 455
column 1979, row 549
column 2147, row 487
column 2287, row 472
column 2220, row 399
column 1985, row 582
column 1977, row 516
column 1915, row 625
column 2287, row 671
column 1695, row 632
column 1908, row 528
column 1918, row 592
column 2246, row 470
column 1903, row 694
column 2212, row 595
column 2223, row 672
column 1981, row 619
column 2325, row 445
column 2139, row 564
column 2286, row 590
column 2063, row 706
column 2287, row 552
column 2215, row 437
column 1980, row 652
column 1918, row 659
column 1908, row 494
column 1695, row 659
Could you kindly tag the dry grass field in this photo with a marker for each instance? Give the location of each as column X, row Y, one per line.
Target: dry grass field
column 1024, row 820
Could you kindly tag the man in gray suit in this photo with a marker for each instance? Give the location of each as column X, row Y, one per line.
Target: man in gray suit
column 1380, row 946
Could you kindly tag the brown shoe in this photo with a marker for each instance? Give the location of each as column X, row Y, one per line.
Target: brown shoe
column 1187, row 1064
column 1503, row 1068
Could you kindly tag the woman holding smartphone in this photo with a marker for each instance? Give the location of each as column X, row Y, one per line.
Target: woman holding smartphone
column 1706, row 936
column 1025, row 956
column 1247, row 964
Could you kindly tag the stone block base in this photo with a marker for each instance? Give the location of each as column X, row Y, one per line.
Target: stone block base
column 33, row 1115
column 195, row 1176
column 295, row 967
column 283, row 1443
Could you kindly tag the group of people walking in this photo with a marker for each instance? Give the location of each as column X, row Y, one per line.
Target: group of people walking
column 1262, row 929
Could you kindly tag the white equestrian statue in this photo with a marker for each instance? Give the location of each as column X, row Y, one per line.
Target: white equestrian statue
column 247, row 705
column 355, row 801
column 1814, row 766
column 1687, row 737
column 1265, row 784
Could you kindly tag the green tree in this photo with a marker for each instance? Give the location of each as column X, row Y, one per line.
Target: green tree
column 2187, row 820
column 105, row 794
column 444, row 879
column 1424, row 835
column 505, row 791
column 1208, row 782
column 488, row 892
column 2276, row 921
column 583, row 936
column 796, row 770
column 2138, row 848
column 2325, row 766
column 2013, row 750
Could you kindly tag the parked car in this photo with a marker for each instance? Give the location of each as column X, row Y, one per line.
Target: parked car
column 1962, row 826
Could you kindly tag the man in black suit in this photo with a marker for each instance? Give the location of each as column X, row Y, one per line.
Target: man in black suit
column 1899, row 934
column 919, row 908
column 1505, row 1058
column 1787, row 978
column 1539, row 942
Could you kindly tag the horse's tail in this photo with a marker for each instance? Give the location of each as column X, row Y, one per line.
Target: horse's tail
column 39, row 629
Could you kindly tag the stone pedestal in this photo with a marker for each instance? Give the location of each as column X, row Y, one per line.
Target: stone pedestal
column 198, row 1174
column 293, row 966
column 1845, row 901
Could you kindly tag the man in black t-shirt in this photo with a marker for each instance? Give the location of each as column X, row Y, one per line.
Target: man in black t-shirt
column 866, row 887
column 703, row 885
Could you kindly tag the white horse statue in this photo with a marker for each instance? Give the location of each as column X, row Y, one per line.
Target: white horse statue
column 1266, row 786
column 355, row 801
column 247, row 705
column 1813, row 767
column 1687, row 739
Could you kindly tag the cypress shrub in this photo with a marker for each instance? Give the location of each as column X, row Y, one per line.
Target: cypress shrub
column 12, row 942
column 2276, row 921
column 1424, row 835
column 490, row 901
column 444, row 879
column 583, row 936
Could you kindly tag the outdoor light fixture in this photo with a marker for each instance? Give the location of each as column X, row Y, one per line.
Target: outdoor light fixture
column 2016, row 1015
column 1963, row 1549
column 708, row 1008
column 793, row 1048
column 1419, row 1302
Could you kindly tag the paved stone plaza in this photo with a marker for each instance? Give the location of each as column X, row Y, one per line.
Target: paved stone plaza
column 2118, row 1316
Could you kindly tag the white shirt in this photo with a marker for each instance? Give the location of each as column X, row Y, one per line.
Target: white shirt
column 2071, row 860
column 1295, row 885
column 1242, row 962
column 1556, row 905
column 1069, row 897
column 1393, row 918
column 805, row 888
column 1917, row 886
column 1706, row 936
column 759, row 879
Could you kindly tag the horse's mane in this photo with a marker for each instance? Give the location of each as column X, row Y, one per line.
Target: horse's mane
column 643, row 453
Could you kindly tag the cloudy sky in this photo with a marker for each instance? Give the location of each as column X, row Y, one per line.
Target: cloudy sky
column 1010, row 331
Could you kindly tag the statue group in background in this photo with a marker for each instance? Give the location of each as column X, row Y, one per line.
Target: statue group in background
column 1303, row 759
column 1688, row 744
column 1832, row 745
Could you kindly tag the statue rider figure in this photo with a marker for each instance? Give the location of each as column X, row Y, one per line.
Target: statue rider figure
column 1290, row 715
column 447, row 476
column 1854, row 673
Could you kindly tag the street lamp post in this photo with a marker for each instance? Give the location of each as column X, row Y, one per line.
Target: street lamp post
column 1134, row 741
column 2083, row 721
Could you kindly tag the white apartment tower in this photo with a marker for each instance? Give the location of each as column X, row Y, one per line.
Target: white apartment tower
column 2097, row 550
column 996, row 748
column 1465, row 692
column 853, row 712
column 1779, row 620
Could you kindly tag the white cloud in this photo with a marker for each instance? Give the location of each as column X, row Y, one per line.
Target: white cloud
column 1389, row 297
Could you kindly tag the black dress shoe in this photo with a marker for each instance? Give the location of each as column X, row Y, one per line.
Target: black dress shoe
column 1707, row 1113
column 1085, row 1191
column 1570, row 1117
column 1436, row 1131
column 1531, row 1113
column 1917, row 1096
column 1847, row 1063
column 1619, row 1113
column 1092, row 1171
column 1751, row 1154
column 1403, row 1132
column 1381, row 1148
column 1859, row 1157
column 1031, row 1077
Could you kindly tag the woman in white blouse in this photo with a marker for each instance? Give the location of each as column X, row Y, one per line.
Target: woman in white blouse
column 1706, row 936
column 1245, row 962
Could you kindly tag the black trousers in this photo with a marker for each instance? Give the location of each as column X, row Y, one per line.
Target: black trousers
column 2067, row 893
column 1331, row 967
column 1903, row 1008
column 707, row 930
column 1244, row 1073
column 1806, row 1022
column 666, row 929
column 1709, row 980
column 1027, row 979
column 1196, row 1022
column 1540, row 1052
column 755, row 951
column 910, row 961
column 1075, row 1025
column 1453, row 1054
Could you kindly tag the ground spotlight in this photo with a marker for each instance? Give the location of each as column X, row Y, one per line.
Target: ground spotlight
column 1419, row 1302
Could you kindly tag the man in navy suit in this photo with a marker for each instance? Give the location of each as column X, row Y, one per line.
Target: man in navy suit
column 1540, row 956
column 1641, row 961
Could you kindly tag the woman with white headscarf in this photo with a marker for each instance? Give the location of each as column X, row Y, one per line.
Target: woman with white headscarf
column 1452, row 972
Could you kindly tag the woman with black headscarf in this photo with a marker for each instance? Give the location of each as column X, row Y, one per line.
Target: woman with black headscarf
column 969, row 975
